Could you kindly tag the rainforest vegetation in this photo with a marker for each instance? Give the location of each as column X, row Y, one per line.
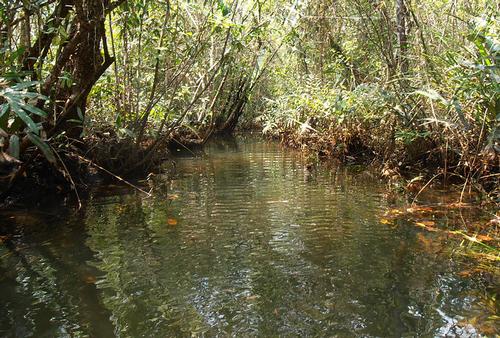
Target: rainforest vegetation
column 395, row 98
column 412, row 86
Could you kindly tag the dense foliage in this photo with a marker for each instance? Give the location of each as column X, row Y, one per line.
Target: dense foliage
column 412, row 84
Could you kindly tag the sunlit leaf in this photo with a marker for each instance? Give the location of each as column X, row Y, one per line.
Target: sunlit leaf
column 3, row 109
column 19, row 111
column 417, row 209
column 427, row 223
column 431, row 94
column 423, row 225
column 484, row 238
column 394, row 212
column 24, row 85
column 33, row 109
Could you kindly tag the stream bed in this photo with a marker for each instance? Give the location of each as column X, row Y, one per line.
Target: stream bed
column 243, row 240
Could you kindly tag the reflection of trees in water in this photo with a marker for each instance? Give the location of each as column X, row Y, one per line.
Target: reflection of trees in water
column 254, row 250
column 49, row 292
column 245, row 258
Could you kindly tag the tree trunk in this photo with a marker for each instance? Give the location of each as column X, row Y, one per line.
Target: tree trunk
column 84, row 64
column 401, row 28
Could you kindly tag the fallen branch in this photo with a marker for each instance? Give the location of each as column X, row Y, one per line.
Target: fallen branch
column 113, row 175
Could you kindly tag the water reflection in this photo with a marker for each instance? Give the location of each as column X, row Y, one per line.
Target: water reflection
column 251, row 248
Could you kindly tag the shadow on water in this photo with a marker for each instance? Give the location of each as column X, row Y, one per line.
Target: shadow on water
column 247, row 242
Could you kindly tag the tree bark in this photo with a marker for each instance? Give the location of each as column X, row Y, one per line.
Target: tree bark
column 83, row 61
column 402, row 34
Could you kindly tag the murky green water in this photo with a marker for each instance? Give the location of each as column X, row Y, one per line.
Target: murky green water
column 247, row 242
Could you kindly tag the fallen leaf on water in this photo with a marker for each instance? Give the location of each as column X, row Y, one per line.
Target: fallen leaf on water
column 394, row 212
column 253, row 297
column 465, row 273
column 419, row 209
column 484, row 238
column 427, row 223
column 171, row 221
column 172, row 197
column 426, row 227
column 90, row 279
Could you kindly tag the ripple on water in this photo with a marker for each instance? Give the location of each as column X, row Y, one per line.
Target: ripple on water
column 252, row 245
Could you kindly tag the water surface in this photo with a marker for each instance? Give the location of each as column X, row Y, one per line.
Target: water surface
column 243, row 241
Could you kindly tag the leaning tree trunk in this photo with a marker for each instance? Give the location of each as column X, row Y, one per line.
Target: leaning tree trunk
column 83, row 61
column 79, row 57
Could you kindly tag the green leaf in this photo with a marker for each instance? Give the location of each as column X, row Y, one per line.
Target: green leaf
column 23, row 116
column 80, row 114
column 24, row 85
column 14, row 146
column 33, row 95
column 432, row 94
column 43, row 146
column 127, row 132
column 33, row 109
column 3, row 109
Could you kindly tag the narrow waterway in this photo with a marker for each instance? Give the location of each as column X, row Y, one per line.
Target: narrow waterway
column 244, row 240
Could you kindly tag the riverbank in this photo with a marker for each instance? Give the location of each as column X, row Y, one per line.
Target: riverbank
column 409, row 166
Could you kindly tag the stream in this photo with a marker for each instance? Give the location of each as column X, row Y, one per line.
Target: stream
column 243, row 240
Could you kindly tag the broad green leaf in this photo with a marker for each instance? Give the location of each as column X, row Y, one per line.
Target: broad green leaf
column 24, row 85
column 33, row 109
column 33, row 95
column 19, row 111
column 43, row 146
column 3, row 109
column 14, row 146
